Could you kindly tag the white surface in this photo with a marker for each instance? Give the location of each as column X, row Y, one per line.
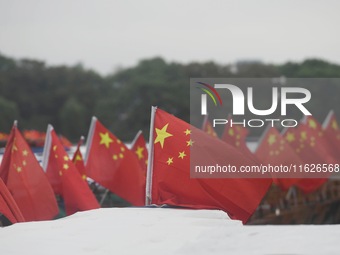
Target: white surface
column 163, row 231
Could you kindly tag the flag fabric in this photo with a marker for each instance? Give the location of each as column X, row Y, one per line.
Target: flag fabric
column 236, row 136
column 208, row 127
column 75, row 192
column 314, row 130
column 304, row 144
column 25, row 179
column 79, row 161
column 111, row 164
column 169, row 182
column 274, row 150
column 332, row 133
column 139, row 148
column 8, row 206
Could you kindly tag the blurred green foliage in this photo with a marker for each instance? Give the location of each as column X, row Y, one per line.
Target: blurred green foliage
column 68, row 96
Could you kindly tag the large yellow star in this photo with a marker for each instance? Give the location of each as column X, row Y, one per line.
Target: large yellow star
column 271, row 139
column 312, row 124
column 105, row 139
column 78, row 158
column 290, row 137
column 162, row 134
column 335, row 125
column 139, row 152
column 231, row 132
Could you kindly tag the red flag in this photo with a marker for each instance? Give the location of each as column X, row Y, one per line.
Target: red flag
column 314, row 129
column 236, row 136
column 110, row 163
column 78, row 160
column 75, row 192
column 274, row 150
column 139, row 148
column 332, row 133
column 26, row 180
column 169, row 179
column 8, row 207
column 304, row 144
column 208, row 128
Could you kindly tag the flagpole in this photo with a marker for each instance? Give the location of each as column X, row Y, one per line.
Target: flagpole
column 90, row 138
column 47, row 147
column 148, row 185
column 135, row 139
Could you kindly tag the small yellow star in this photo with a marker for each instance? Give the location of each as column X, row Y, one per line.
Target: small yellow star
column 121, row 155
column 303, row 135
column 84, row 177
column 65, row 166
column 66, row 158
column 105, row 139
column 181, row 155
column 162, row 134
column 24, row 163
column 19, row 169
column 187, row 132
column 170, row 161
column 24, row 152
column 115, row 157
column 139, row 151
column 190, row 142
column 55, row 147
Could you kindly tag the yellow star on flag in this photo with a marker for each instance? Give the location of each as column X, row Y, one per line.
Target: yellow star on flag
column 170, row 161
column 105, row 139
column 65, row 166
column 231, row 132
column 271, row 139
column 312, row 124
column 290, row 137
column 187, row 132
column 335, row 125
column 162, row 134
column 303, row 135
column 78, row 157
column 181, row 154
column 139, row 152
column 24, row 152
column 190, row 142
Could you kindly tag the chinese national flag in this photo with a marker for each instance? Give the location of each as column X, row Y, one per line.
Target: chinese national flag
column 304, row 144
column 171, row 184
column 78, row 160
column 8, row 206
column 208, row 128
column 110, row 163
column 274, row 150
column 332, row 133
column 25, row 179
column 75, row 192
column 236, row 136
column 139, row 148
column 314, row 130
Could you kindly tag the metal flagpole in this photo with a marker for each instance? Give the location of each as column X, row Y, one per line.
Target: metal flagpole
column 47, row 147
column 150, row 159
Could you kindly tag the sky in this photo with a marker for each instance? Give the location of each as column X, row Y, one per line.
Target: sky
column 108, row 34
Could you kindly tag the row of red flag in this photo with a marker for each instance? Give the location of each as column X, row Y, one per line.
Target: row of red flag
column 29, row 190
